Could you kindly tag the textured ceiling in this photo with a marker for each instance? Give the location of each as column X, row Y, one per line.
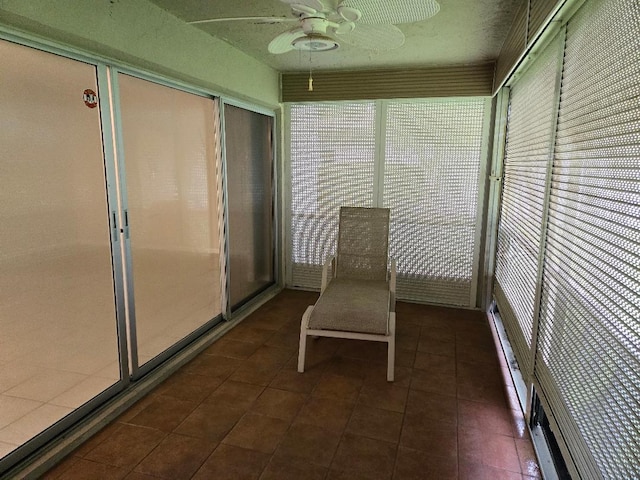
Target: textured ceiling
column 463, row 32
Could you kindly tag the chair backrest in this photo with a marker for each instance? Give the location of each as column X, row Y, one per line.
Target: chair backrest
column 363, row 243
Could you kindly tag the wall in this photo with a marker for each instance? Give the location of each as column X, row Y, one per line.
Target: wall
column 139, row 33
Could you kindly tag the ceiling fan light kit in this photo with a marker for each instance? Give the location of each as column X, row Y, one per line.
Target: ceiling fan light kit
column 367, row 24
column 314, row 42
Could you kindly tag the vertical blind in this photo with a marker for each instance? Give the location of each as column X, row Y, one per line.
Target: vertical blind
column 531, row 128
column 420, row 158
column 587, row 334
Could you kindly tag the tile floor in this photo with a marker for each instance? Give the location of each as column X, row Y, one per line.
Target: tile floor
column 241, row 411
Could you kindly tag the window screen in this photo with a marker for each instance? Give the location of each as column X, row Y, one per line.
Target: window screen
column 531, row 125
column 589, row 339
column 420, row 158
column 332, row 164
column 249, row 159
column 432, row 161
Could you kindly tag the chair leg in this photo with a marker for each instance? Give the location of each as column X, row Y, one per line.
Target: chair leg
column 304, row 325
column 391, row 348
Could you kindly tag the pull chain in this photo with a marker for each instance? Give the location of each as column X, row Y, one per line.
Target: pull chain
column 310, row 74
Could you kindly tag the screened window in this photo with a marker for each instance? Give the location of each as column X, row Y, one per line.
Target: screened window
column 333, row 151
column 531, row 126
column 423, row 159
column 589, row 339
column 582, row 229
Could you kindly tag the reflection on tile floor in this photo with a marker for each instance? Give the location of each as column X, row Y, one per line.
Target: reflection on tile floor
column 240, row 410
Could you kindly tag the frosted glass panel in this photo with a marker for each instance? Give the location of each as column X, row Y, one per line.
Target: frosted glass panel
column 58, row 340
column 170, row 155
column 249, row 177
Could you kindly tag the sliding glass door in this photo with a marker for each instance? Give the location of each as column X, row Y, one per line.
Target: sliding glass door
column 171, row 158
column 58, row 329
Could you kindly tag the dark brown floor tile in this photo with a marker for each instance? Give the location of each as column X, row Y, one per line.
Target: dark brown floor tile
column 499, row 451
column 418, row 465
column 292, row 469
column 284, row 339
column 485, row 393
column 365, row 455
column 137, row 407
column 348, row 367
column 255, row 374
column 435, row 364
column 431, row 406
column 309, row 443
column 319, row 352
column 431, row 382
column 328, row 413
column 165, row 413
column 176, row 457
column 436, row 347
column 375, row 423
column 257, row 432
column 185, row 386
column 478, row 374
column 293, row 381
column 279, row 403
column 527, row 457
column 477, row 354
column 405, row 358
column 377, row 376
column 210, row 421
column 339, row 387
column 439, row 439
column 407, row 330
column 484, row 416
column 127, row 446
column 387, row 397
column 270, row 356
column 247, row 333
column 213, row 366
column 100, row 437
column 406, row 342
column 438, row 333
column 89, row 470
column 229, row 462
column 227, row 347
column 235, row 394
column 139, row 476
column 446, row 414
column 477, row 471
column 364, row 350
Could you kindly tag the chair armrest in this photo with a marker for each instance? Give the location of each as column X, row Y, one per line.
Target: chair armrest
column 328, row 272
column 392, row 286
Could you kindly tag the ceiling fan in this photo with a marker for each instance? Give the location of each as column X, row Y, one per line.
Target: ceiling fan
column 323, row 24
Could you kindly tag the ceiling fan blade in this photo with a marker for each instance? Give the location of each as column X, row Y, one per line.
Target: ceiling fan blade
column 375, row 37
column 393, row 11
column 283, row 42
column 259, row 20
column 316, row 5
